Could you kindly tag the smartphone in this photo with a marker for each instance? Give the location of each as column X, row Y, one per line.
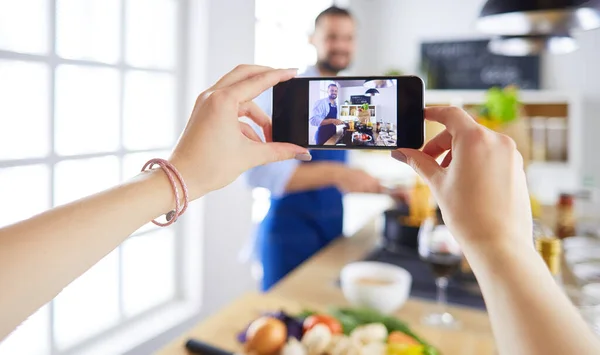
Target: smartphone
column 350, row 112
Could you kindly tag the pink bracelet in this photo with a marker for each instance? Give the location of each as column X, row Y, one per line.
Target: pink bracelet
column 170, row 170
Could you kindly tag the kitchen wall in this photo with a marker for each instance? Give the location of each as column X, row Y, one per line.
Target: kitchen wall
column 385, row 101
column 393, row 29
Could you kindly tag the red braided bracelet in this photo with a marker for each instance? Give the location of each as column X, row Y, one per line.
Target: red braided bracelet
column 171, row 173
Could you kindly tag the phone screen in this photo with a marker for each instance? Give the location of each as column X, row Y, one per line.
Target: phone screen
column 350, row 112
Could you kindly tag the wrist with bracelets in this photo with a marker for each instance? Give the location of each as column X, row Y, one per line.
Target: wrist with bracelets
column 174, row 177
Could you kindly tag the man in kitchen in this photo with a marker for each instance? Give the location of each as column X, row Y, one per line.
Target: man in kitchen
column 325, row 115
column 306, row 197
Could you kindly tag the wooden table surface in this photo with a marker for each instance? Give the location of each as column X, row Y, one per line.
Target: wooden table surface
column 312, row 286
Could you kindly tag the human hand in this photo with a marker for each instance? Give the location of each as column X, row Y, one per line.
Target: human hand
column 356, row 180
column 215, row 147
column 480, row 185
column 334, row 121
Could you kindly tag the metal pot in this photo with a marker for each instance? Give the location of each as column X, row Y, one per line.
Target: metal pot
column 397, row 235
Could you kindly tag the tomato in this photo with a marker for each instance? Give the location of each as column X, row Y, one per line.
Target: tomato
column 398, row 337
column 333, row 324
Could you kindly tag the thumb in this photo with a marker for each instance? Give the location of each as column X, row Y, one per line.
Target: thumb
column 273, row 152
column 422, row 163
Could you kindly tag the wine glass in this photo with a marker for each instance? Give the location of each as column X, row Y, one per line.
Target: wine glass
column 440, row 250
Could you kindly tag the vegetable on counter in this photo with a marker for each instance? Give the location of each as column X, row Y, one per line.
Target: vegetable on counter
column 317, row 339
column 293, row 325
column 370, row 333
column 343, row 331
column 265, row 336
column 400, row 349
column 333, row 324
column 397, row 337
column 294, row 347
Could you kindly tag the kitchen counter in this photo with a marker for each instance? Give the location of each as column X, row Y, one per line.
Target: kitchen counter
column 313, row 285
column 336, row 137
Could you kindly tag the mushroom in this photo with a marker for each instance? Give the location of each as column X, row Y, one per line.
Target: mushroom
column 317, row 339
column 370, row 333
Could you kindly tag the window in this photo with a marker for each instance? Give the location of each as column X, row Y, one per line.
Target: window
column 282, row 32
column 89, row 91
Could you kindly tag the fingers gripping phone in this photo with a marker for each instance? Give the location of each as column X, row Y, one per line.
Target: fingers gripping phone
column 350, row 112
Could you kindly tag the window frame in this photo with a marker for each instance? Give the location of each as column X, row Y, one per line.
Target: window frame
column 130, row 331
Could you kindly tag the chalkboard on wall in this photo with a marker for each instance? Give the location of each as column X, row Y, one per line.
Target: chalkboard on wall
column 466, row 65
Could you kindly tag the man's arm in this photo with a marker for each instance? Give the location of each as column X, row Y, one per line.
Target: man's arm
column 314, row 176
column 319, row 112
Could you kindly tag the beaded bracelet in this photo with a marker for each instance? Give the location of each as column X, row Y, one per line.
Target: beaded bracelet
column 172, row 174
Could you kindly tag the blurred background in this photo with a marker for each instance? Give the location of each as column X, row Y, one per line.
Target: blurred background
column 91, row 89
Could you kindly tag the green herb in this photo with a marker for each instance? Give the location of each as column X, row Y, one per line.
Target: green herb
column 501, row 104
column 365, row 107
column 305, row 314
column 348, row 322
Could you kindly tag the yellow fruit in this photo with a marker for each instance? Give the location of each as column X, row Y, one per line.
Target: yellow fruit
column 403, row 349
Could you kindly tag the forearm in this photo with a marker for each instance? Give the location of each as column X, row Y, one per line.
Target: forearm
column 327, row 121
column 314, row 176
column 529, row 312
column 68, row 240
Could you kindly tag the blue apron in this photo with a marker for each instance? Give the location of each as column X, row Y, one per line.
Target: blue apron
column 298, row 225
column 326, row 131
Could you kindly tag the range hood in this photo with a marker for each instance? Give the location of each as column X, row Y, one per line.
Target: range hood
column 526, row 27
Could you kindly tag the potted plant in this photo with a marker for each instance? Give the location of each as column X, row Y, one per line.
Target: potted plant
column 503, row 112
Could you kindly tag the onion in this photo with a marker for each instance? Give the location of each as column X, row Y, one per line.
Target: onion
column 266, row 336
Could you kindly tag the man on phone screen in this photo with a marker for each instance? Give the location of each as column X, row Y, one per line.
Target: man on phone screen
column 325, row 115
column 306, row 197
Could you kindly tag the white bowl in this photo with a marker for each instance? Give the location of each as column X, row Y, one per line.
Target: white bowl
column 587, row 272
column 386, row 297
column 577, row 256
column 592, row 291
column 580, row 242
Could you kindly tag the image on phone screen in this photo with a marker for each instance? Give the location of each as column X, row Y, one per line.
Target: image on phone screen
column 349, row 112
column 344, row 113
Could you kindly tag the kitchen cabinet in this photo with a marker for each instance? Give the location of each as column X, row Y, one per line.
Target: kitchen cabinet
column 559, row 116
column 352, row 111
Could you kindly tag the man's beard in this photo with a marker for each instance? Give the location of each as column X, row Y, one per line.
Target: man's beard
column 332, row 97
column 327, row 66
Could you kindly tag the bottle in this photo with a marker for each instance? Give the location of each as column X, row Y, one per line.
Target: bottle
column 565, row 223
column 550, row 249
column 586, row 208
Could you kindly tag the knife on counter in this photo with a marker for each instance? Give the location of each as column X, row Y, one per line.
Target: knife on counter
column 198, row 347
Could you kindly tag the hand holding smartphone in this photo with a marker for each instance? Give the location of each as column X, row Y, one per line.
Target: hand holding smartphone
column 350, row 112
